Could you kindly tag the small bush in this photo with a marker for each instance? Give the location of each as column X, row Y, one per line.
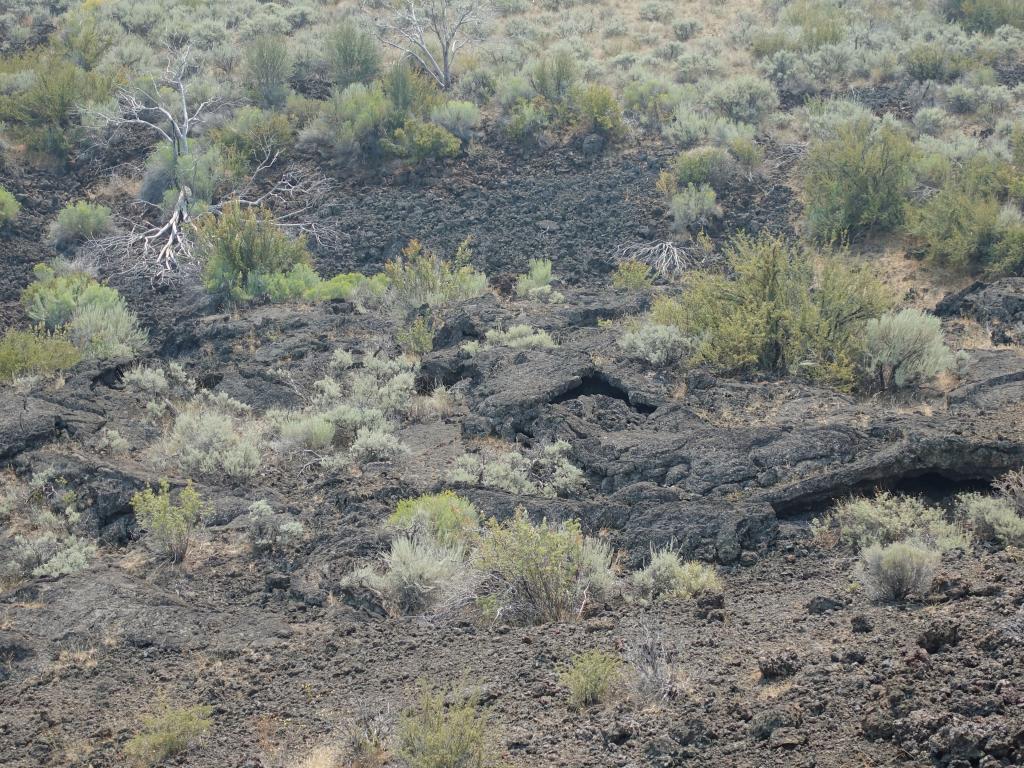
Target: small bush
column 554, row 76
column 536, row 284
column 632, row 275
column 421, row 277
column 313, row 432
column 667, row 577
column 434, row 735
column 416, row 338
column 206, row 440
column 251, row 137
column 694, row 207
column 416, row 141
column 744, row 98
column 418, row 575
column 445, row 517
column 992, row 519
column 591, row 678
column 538, row 573
column 703, row 165
column 268, row 65
column 985, row 15
column 105, row 332
column 9, row 207
column 600, row 112
column 856, row 180
column 460, row 118
column 36, row 353
column 375, row 444
column 893, row 572
column 905, row 349
column 168, row 733
column 169, row 525
column 516, row 337
column 80, row 221
column 932, row 61
column 656, row 345
column 685, row 29
column 243, row 245
column 352, row 55
column 271, row 532
column 885, row 519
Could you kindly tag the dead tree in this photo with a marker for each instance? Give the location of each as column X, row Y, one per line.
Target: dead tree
column 162, row 105
column 430, row 31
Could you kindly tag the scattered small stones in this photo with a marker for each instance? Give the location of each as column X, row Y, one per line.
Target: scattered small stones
column 778, row 665
column 765, row 722
column 861, row 624
column 821, row 604
column 940, row 633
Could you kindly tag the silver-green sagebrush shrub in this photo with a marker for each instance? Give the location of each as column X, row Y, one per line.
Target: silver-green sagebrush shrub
column 906, row 349
column 272, row 532
column 444, row 517
column 694, row 207
column 9, row 207
column 375, row 444
column 460, row 118
column 655, row 344
column 536, row 284
column 548, row 472
column 434, row 734
column 208, row 439
column 893, row 572
column 515, row 337
column 993, row 519
column 78, row 222
column 591, row 678
column 666, row 576
column 885, row 519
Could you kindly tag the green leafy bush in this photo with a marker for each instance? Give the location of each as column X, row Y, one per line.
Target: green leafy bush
column 268, row 65
column 168, row 733
column 894, row 572
column 460, row 118
column 780, row 313
column 444, row 517
column 933, row 61
column 703, row 165
column 352, row 123
column 887, row 518
column 536, row 283
column 554, row 76
column 985, row 15
column 666, row 576
column 856, row 180
column 240, row 247
column 538, row 573
column 351, row 54
column 417, row 141
column 208, row 439
column 632, row 275
column 375, row 444
column 35, row 352
column 80, row 221
column 418, row 575
column 516, row 337
column 957, row 230
column 169, row 525
column 905, row 349
column 436, row 735
column 591, row 678
column 420, row 276
column 106, row 331
column 600, row 112
column 9, row 207
column 252, row 136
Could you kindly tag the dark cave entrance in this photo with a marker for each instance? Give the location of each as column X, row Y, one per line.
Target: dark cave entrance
column 597, row 384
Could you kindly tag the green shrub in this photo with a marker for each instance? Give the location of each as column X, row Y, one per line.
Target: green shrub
column 375, row 444
column 554, row 76
column 169, row 525
column 253, row 136
column 80, row 221
column 353, row 122
column 600, row 112
column 778, row 314
column 985, row 15
column 36, row 353
column 591, row 678
column 885, row 519
column 416, row 141
column 855, row 181
column 527, row 122
column 685, row 29
column 538, row 573
column 268, row 66
column 9, row 207
column 743, row 98
column 435, row 735
column 416, row 338
column 694, row 207
column 409, row 91
column 536, row 284
column 460, row 118
column 992, row 519
column 314, row 432
column 703, row 165
column 894, row 572
column 657, row 345
column 668, row 577
column 271, row 532
column 444, row 517
column 420, row 276
column 351, row 54
column 632, row 275
column 905, row 349
column 242, row 245
column 51, row 298
column 106, row 331
column 932, row 61
column 168, row 733
column 516, row 337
